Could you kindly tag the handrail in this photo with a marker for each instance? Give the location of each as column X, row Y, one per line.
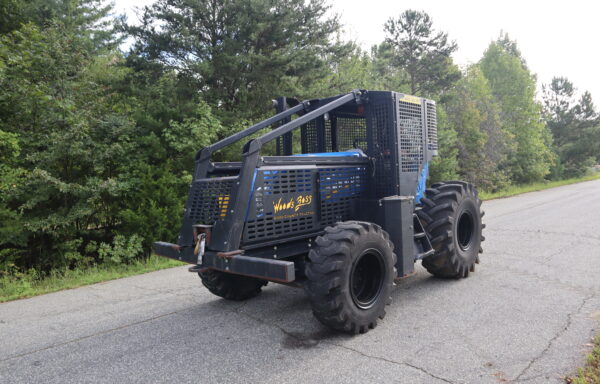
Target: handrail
column 257, row 143
column 206, row 152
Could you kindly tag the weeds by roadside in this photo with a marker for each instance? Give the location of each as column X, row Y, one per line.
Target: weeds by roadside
column 518, row 189
column 29, row 284
column 590, row 374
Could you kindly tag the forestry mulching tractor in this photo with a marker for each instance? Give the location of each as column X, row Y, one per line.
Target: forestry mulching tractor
column 339, row 208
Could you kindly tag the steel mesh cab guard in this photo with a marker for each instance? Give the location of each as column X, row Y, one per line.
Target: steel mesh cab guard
column 363, row 155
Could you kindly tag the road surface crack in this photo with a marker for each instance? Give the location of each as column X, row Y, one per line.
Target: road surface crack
column 404, row 363
column 553, row 339
column 296, row 337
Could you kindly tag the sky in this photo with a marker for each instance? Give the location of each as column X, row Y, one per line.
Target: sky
column 556, row 38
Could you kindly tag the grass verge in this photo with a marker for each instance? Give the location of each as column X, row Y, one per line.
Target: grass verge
column 27, row 285
column 518, row 189
column 590, row 374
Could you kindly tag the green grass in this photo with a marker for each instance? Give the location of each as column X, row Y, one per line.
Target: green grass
column 518, row 189
column 590, row 374
column 28, row 285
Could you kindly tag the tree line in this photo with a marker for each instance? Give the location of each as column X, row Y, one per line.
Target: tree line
column 97, row 142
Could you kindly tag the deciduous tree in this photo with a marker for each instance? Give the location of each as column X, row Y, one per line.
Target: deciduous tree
column 514, row 87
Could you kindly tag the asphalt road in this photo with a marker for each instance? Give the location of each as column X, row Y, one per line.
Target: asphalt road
column 527, row 315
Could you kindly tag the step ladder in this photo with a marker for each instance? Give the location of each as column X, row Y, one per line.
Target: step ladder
column 423, row 246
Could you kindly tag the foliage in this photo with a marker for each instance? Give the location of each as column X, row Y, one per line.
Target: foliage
column 240, row 53
column 517, row 189
column 97, row 146
column 88, row 19
column 85, row 146
column 354, row 71
column 423, row 53
column 388, row 76
column 575, row 126
column 19, row 285
column 590, row 374
column 513, row 85
column 445, row 165
column 75, row 142
column 154, row 207
column 11, row 233
column 122, row 251
column 474, row 115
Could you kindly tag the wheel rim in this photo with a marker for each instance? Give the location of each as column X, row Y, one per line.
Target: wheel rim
column 366, row 278
column 465, row 230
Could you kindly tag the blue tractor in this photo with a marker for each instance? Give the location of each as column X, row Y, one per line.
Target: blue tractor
column 330, row 195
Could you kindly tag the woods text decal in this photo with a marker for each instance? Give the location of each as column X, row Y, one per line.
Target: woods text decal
column 292, row 204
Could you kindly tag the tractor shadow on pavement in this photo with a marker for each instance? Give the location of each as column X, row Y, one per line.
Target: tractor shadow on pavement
column 288, row 310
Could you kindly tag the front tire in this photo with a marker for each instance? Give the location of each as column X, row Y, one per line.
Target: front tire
column 350, row 275
column 452, row 215
column 230, row 286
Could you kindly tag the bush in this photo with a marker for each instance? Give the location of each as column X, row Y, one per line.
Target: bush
column 123, row 250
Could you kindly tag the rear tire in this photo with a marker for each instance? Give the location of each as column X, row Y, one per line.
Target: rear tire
column 350, row 275
column 452, row 216
column 230, row 286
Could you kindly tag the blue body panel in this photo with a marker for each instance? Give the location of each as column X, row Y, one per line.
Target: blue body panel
column 421, row 185
column 352, row 153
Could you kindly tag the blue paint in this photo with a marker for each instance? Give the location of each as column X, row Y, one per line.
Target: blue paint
column 250, row 197
column 421, row 184
column 350, row 153
column 341, row 184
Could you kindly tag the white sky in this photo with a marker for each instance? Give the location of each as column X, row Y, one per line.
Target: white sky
column 557, row 38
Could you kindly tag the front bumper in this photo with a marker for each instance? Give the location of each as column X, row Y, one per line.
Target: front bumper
column 232, row 262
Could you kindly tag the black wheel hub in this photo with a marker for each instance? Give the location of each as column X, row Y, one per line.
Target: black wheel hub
column 367, row 278
column 465, row 230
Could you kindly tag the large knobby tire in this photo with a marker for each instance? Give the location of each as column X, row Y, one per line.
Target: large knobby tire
column 350, row 275
column 230, row 286
column 451, row 213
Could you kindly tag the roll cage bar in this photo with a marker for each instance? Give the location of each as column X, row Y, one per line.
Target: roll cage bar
column 230, row 239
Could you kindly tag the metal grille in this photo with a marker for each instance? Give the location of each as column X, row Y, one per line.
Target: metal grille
column 269, row 183
column 432, row 140
column 410, row 122
column 210, row 199
column 286, row 181
column 383, row 151
column 328, row 142
column 339, row 187
column 351, row 132
column 279, row 146
column 308, row 137
column 267, row 228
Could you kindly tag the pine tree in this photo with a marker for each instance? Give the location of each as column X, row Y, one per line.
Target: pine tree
column 241, row 53
column 423, row 53
column 87, row 19
column 575, row 125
